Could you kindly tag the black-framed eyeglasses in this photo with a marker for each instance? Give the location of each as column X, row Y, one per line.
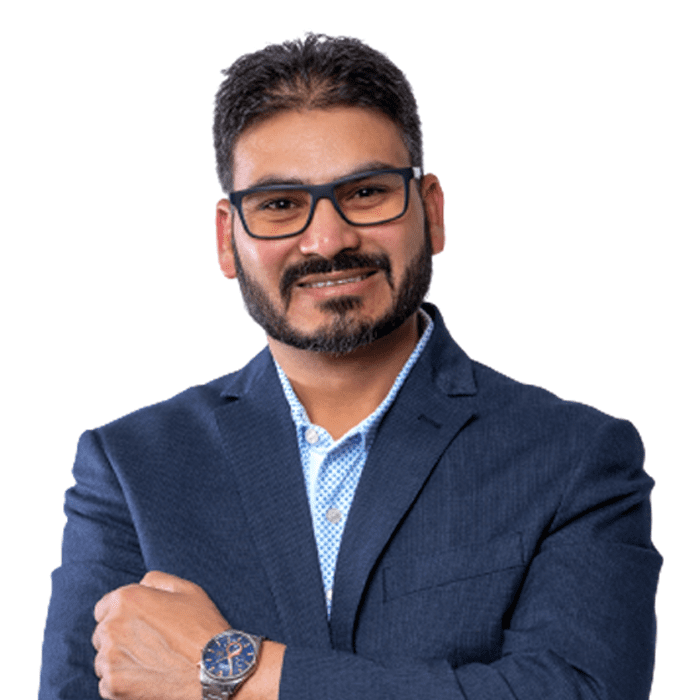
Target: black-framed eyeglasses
column 365, row 199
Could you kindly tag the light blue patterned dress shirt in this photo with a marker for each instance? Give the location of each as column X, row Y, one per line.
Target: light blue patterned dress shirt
column 332, row 469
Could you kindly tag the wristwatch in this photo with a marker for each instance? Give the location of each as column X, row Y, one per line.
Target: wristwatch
column 227, row 660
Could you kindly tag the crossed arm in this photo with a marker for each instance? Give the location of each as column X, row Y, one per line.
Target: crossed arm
column 582, row 626
column 149, row 637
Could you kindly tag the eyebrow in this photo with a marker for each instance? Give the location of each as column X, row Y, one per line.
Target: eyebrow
column 269, row 180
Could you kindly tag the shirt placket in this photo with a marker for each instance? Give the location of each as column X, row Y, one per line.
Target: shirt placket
column 332, row 505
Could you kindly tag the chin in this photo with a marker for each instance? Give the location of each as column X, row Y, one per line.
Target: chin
column 346, row 332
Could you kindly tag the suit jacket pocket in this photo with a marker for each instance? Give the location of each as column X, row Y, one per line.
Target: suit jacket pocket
column 419, row 573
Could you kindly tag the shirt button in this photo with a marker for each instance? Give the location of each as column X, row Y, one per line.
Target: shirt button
column 329, row 595
column 311, row 436
column 333, row 515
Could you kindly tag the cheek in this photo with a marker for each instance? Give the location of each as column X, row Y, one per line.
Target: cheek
column 262, row 258
column 402, row 240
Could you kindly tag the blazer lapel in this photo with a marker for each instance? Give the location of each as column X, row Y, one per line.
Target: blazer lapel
column 260, row 441
column 433, row 405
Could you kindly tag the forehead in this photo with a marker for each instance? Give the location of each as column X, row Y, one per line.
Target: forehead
column 317, row 145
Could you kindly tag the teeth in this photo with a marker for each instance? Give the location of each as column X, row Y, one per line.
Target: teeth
column 335, row 283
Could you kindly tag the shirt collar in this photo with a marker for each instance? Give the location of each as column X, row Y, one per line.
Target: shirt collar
column 368, row 427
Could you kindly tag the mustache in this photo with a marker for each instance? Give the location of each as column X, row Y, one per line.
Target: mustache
column 342, row 261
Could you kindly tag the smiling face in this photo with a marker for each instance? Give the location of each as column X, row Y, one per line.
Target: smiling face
column 335, row 286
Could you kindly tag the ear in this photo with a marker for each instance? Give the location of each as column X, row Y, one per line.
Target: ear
column 434, row 205
column 224, row 231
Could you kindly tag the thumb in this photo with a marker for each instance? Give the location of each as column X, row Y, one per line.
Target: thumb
column 167, row 582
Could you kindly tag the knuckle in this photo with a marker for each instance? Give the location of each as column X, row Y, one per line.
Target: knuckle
column 123, row 600
column 104, row 658
column 111, row 630
column 115, row 601
column 103, row 689
column 128, row 593
column 107, row 686
column 108, row 634
column 112, row 678
column 96, row 638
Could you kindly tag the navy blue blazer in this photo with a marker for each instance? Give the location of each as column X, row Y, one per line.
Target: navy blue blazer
column 498, row 545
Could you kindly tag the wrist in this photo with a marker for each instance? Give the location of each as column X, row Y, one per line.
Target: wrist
column 264, row 683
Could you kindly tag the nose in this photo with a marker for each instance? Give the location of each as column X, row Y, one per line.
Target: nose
column 327, row 233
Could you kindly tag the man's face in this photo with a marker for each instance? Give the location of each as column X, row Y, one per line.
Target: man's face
column 335, row 286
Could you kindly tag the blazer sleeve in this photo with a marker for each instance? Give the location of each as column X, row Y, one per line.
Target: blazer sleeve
column 583, row 625
column 100, row 553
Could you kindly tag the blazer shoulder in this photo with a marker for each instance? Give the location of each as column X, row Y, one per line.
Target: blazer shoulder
column 531, row 409
column 507, row 410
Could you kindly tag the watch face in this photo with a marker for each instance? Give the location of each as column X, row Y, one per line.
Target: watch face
column 228, row 656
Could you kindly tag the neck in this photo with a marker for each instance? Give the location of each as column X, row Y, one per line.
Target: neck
column 339, row 391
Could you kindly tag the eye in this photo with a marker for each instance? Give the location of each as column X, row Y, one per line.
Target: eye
column 367, row 191
column 278, row 204
column 276, row 201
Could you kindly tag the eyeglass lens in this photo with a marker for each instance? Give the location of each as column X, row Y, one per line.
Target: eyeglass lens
column 367, row 200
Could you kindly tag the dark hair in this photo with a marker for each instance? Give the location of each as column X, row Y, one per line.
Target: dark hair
column 315, row 72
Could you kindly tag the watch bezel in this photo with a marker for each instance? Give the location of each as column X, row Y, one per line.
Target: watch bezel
column 248, row 639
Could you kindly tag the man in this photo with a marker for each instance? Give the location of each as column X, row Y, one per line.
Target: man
column 362, row 511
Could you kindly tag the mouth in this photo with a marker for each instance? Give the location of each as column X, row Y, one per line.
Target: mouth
column 335, row 280
column 348, row 271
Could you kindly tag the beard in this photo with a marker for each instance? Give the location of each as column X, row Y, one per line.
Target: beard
column 345, row 330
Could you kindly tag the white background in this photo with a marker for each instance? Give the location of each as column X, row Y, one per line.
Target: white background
column 566, row 138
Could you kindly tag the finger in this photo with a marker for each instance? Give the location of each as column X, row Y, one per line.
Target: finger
column 96, row 638
column 103, row 606
column 110, row 601
column 103, row 674
column 98, row 665
column 166, row 582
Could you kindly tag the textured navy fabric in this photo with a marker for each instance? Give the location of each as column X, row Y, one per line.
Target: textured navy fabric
column 497, row 548
column 332, row 468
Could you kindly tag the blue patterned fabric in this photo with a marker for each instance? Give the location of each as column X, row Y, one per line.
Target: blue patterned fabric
column 499, row 543
column 332, row 469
